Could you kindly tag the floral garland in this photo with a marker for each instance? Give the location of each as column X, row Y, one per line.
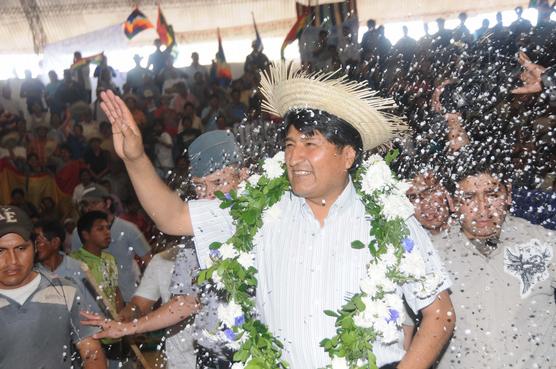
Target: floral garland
column 373, row 315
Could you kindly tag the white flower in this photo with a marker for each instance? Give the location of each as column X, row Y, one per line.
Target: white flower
column 217, row 281
column 369, row 286
column 403, row 186
column 238, row 366
column 361, row 320
column 376, row 280
column 430, row 285
column 396, row 205
column 393, row 301
column 273, row 167
column 254, row 179
column 375, row 310
column 339, row 363
column 373, row 159
column 377, row 177
column 389, row 259
column 389, row 331
column 412, row 265
column 273, row 214
column 246, row 260
column 241, row 188
column 227, row 313
column 228, row 251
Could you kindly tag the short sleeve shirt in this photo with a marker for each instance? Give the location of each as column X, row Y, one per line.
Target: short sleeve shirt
column 127, row 241
column 39, row 333
column 504, row 302
column 74, row 270
column 186, row 269
column 103, row 269
column 304, row 269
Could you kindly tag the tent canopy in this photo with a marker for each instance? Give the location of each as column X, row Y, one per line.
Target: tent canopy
column 27, row 26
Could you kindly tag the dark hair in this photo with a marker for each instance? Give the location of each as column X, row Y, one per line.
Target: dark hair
column 85, row 223
column 84, row 170
column 17, row 191
column 336, row 130
column 491, row 156
column 52, row 229
column 188, row 103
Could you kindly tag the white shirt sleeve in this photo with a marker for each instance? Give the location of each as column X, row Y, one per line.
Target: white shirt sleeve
column 435, row 272
column 210, row 224
column 149, row 287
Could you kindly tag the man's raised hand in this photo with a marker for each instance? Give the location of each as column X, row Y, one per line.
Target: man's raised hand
column 128, row 142
column 531, row 76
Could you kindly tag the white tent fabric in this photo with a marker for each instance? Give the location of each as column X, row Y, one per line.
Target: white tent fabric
column 51, row 21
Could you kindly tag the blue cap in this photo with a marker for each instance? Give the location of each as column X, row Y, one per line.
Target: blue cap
column 213, row 151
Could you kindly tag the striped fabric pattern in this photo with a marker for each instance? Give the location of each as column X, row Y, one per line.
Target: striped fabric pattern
column 305, row 269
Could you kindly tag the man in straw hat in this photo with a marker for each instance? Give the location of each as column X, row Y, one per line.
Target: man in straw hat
column 303, row 256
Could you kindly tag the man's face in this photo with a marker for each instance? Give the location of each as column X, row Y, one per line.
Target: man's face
column 16, row 261
column 223, row 180
column 481, row 204
column 99, row 234
column 430, row 200
column 317, row 169
column 45, row 247
column 88, row 205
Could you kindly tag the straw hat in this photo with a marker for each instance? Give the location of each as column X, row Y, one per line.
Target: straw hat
column 286, row 87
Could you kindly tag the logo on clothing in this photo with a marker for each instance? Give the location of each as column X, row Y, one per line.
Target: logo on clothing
column 529, row 263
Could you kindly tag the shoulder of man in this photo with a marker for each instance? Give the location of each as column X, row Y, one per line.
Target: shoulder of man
column 516, row 230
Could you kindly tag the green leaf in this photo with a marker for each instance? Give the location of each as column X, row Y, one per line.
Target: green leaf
column 250, row 216
column 357, row 245
column 358, row 302
column 215, row 245
column 331, row 313
column 391, row 156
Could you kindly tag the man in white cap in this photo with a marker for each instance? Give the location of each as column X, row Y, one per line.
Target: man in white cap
column 320, row 218
column 215, row 165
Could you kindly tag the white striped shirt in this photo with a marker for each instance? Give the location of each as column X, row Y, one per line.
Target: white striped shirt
column 304, row 269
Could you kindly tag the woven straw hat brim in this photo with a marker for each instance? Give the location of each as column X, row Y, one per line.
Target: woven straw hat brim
column 286, row 88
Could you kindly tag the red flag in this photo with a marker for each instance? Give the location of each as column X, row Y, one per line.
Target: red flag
column 295, row 32
column 165, row 31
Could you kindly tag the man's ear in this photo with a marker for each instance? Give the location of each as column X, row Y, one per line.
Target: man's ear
column 349, row 154
column 450, row 200
column 57, row 242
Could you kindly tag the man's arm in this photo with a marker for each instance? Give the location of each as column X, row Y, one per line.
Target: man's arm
column 120, row 304
column 92, row 354
column 163, row 205
column 169, row 314
column 137, row 307
column 434, row 332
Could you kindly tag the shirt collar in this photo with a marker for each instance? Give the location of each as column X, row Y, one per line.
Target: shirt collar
column 89, row 255
column 346, row 198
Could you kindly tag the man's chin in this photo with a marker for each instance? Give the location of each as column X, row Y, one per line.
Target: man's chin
column 484, row 233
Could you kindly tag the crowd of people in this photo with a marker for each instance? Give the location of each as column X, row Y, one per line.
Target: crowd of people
column 480, row 155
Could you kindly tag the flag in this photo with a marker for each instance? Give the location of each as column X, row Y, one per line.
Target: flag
column 165, row 31
column 258, row 40
column 95, row 59
column 295, row 32
column 222, row 71
column 135, row 23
